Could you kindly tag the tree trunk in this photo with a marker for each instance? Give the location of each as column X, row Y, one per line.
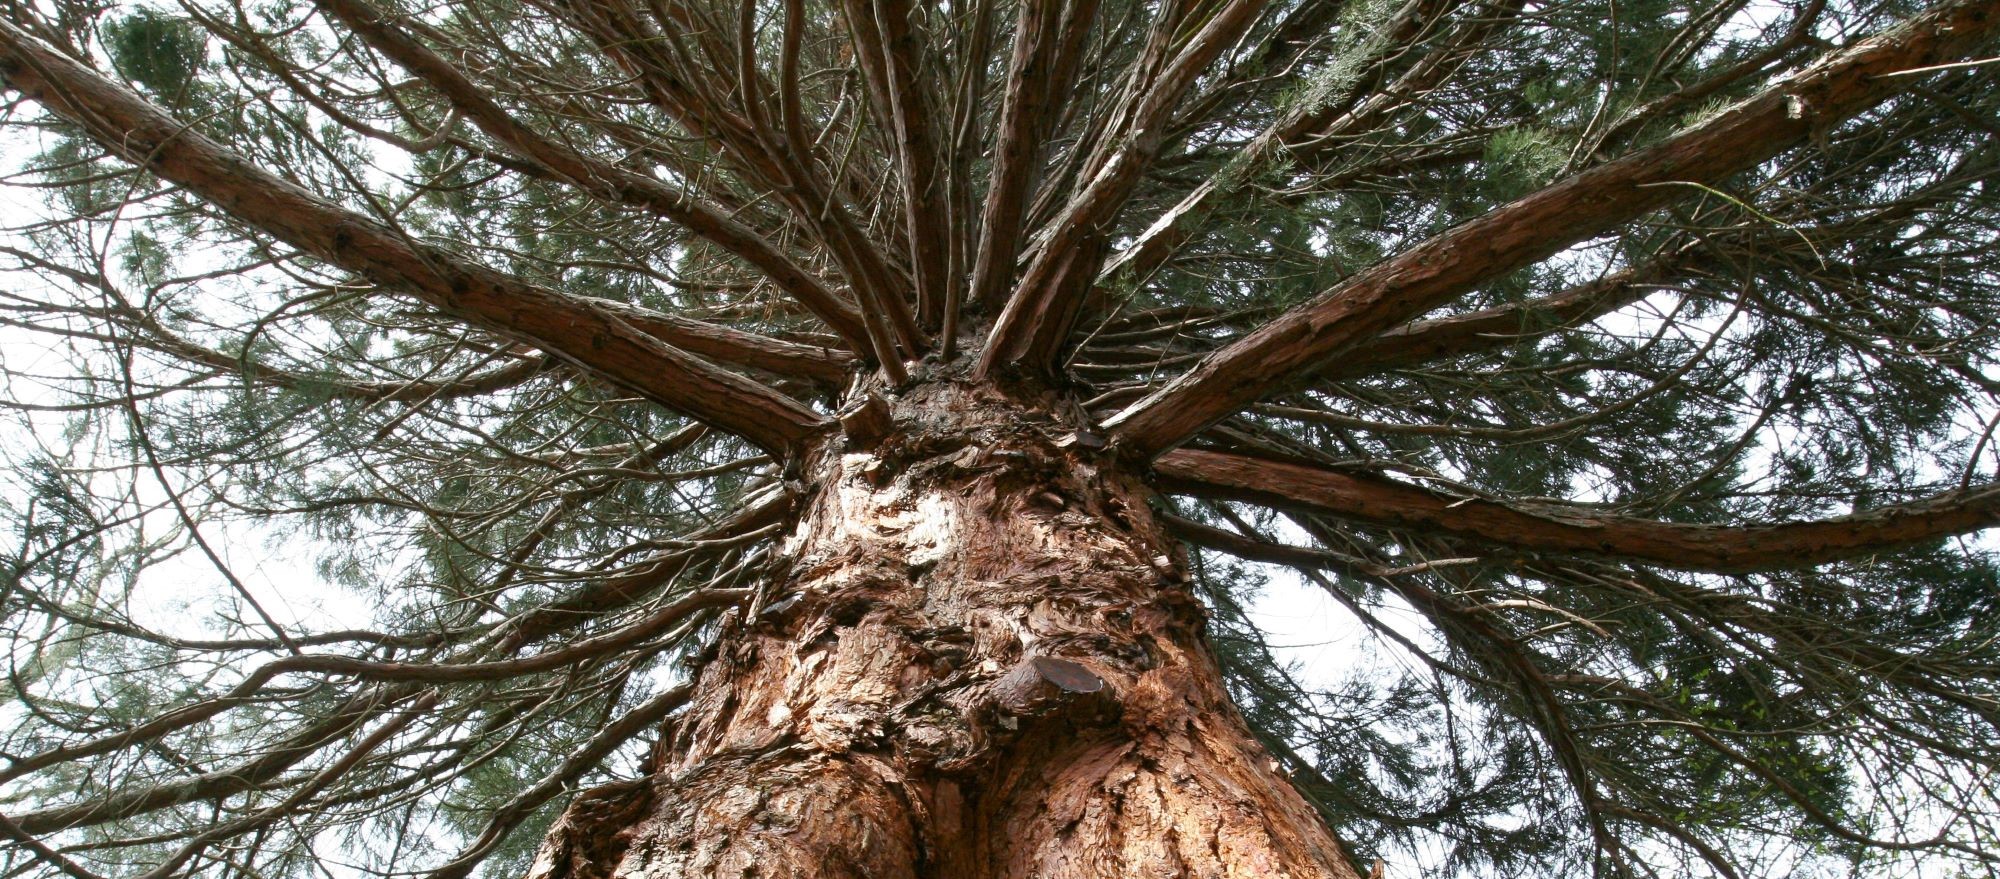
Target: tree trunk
column 978, row 658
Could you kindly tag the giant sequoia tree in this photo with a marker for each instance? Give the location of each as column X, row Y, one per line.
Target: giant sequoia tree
column 773, row 438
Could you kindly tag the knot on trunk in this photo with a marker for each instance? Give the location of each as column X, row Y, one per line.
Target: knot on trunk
column 867, row 421
column 1041, row 685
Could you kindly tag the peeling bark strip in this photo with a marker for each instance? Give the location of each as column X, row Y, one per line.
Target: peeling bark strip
column 576, row 329
column 978, row 661
column 1714, row 548
column 1532, row 228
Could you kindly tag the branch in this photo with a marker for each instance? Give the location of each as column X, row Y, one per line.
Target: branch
column 1043, row 308
column 605, row 181
column 607, row 594
column 271, row 763
column 247, row 775
column 1253, row 549
column 655, row 623
column 1486, row 328
column 564, row 776
column 728, row 345
column 1716, row 548
column 1534, row 227
column 133, row 326
column 889, row 53
column 964, row 147
column 1024, row 119
column 690, row 94
column 1309, row 131
column 579, row 330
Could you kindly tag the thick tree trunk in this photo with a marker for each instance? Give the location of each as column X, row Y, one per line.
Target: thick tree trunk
column 979, row 660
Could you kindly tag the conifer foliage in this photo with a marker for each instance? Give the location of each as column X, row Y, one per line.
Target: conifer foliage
column 1622, row 370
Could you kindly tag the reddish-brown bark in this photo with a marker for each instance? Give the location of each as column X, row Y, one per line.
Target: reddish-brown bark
column 891, row 58
column 976, row 656
column 1068, row 252
column 979, row 660
column 1039, row 69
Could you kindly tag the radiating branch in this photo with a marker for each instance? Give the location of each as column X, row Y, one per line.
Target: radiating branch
column 1025, row 116
column 892, row 58
column 1033, row 327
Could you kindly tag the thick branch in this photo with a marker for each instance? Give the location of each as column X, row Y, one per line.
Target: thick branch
column 694, row 98
column 580, row 330
column 722, row 344
column 1718, row 548
column 1536, row 226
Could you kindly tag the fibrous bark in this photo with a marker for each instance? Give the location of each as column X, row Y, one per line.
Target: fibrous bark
column 978, row 658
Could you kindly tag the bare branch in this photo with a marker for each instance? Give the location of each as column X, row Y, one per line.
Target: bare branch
column 1309, row 130
column 1024, row 120
column 891, row 58
column 728, row 345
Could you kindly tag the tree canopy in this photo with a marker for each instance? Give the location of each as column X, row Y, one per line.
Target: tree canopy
column 1624, row 369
